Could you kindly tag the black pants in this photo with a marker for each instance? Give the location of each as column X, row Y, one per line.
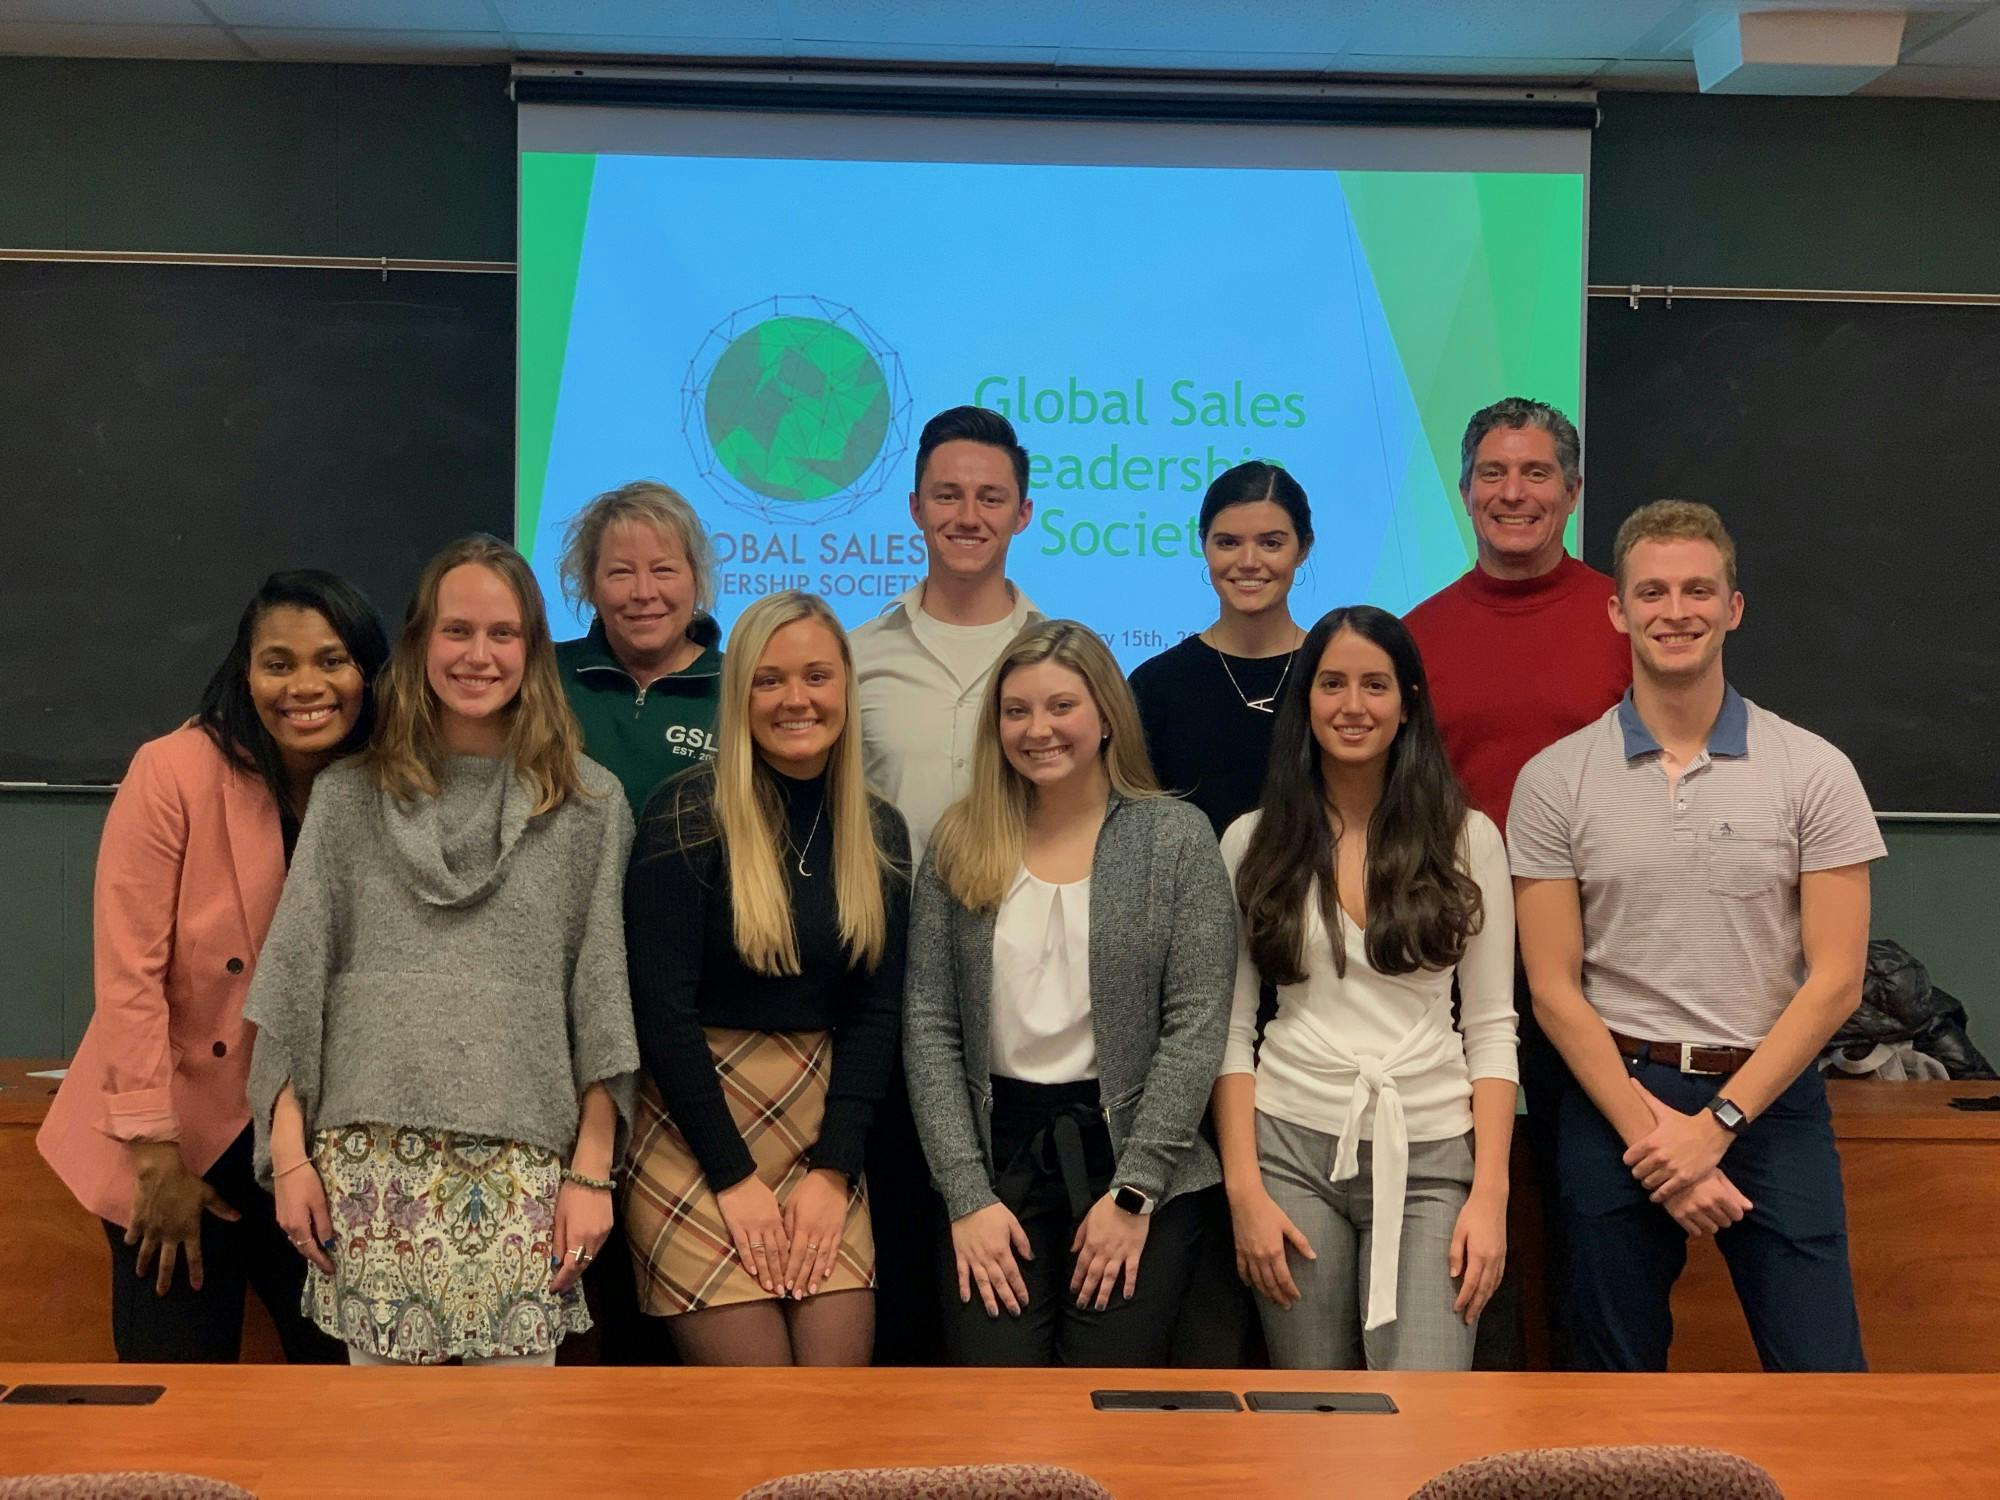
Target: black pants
column 206, row 1327
column 1052, row 1173
column 1545, row 1081
column 909, row 1217
column 1788, row 1256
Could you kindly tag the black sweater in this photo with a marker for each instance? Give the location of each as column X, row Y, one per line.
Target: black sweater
column 1206, row 746
column 687, row 974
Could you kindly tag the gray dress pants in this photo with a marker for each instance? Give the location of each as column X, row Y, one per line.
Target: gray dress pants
column 1323, row 1329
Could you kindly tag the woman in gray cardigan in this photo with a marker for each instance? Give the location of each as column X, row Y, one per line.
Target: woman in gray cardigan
column 1071, row 954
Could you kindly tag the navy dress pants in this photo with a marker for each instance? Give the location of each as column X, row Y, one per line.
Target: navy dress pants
column 1787, row 1257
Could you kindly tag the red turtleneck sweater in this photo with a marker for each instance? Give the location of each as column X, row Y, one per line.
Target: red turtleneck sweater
column 1515, row 666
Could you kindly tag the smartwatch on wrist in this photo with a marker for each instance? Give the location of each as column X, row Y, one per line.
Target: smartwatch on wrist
column 1731, row 1117
column 1132, row 1200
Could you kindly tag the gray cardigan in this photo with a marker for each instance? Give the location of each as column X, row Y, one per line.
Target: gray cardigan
column 451, row 963
column 1162, row 970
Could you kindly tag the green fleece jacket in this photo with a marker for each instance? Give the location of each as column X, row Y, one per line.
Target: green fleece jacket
column 643, row 733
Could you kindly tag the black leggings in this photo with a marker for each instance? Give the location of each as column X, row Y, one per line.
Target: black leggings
column 1057, row 1161
column 206, row 1327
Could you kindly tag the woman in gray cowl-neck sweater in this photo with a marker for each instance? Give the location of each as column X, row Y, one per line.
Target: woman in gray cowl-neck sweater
column 1071, row 953
column 445, row 1045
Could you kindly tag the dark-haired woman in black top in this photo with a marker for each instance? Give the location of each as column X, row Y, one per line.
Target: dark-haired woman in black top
column 1206, row 703
column 1207, row 709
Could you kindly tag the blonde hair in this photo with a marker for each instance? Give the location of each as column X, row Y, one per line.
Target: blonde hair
column 1674, row 521
column 407, row 754
column 980, row 837
column 644, row 502
column 750, row 817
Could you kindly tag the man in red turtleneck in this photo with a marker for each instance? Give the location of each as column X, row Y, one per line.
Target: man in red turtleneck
column 1520, row 652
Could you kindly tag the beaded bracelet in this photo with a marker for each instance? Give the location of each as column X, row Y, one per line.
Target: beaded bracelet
column 602, row 1184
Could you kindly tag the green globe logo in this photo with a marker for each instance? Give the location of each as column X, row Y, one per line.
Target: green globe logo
column 793, row 402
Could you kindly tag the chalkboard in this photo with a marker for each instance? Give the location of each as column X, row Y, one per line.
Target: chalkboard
column 1854, row 452
column 171, row 434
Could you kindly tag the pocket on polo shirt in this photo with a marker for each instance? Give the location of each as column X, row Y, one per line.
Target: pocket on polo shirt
column 1746, row 857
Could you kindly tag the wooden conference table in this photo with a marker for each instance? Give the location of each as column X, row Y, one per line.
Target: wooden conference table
column 332, row 1432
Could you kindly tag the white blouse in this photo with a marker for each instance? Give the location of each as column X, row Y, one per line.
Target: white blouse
column 1374, row 1057
column 1040, row 1026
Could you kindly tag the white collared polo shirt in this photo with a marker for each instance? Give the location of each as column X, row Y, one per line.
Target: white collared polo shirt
column 1690, row 891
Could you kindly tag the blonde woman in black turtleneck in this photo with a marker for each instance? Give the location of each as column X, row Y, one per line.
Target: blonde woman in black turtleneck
column 765, row 909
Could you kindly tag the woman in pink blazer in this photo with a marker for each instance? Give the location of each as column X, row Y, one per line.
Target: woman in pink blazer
column 151, row 1128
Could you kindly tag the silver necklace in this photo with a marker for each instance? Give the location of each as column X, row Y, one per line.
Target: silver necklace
column 800, row 850
column 1261, row 705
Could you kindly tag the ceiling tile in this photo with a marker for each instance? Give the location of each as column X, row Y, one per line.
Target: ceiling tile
column 906, row 23
column 45, row 39
column 299, row 44
column 108, row 12
column 1196, row 60
column 1011, row 56
column 575, row 44
column 1506, row 28
column 357, row 15
column 1553, row 69
column 642, row 18
column 1275, row 26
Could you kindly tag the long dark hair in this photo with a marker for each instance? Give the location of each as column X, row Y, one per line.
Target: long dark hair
column 1422, row 904
column 229, row 714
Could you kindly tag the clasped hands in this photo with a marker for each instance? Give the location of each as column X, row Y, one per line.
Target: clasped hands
column 1679, row 1163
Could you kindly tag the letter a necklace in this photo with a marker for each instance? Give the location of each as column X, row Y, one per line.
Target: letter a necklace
column 1263, row 704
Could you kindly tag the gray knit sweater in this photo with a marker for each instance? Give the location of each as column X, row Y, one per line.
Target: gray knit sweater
column 450, row 963
column 1162, row 972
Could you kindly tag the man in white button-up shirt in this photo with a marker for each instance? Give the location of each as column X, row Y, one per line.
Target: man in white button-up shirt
column 923, row 666
column 924, row 662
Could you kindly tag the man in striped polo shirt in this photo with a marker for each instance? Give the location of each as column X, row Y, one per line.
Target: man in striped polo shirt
column 1692, row 899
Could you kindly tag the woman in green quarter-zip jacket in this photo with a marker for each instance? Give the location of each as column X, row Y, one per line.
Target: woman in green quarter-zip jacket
column 644, row 683
column 646, row 686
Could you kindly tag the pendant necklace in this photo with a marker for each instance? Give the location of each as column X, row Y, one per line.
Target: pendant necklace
column 799, row 849
column 1261, row 705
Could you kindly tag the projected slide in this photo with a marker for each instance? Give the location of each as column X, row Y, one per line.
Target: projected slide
column 768, row 336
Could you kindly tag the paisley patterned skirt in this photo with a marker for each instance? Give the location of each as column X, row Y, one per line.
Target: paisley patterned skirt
column 442, row 1245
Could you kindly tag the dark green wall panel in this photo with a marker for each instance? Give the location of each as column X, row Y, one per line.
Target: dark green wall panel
column 1849, row 194
column 257, row 158
column 31, row 152
column 49, row 841
column 425, row 157
column 201, row 156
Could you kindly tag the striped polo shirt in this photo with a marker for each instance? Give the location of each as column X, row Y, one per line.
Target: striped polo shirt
column 1690, row 892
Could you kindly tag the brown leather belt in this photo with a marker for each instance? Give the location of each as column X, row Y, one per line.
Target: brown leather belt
column 1689, row 1057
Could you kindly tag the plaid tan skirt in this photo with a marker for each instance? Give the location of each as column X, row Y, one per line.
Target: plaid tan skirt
column 683, row 1261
